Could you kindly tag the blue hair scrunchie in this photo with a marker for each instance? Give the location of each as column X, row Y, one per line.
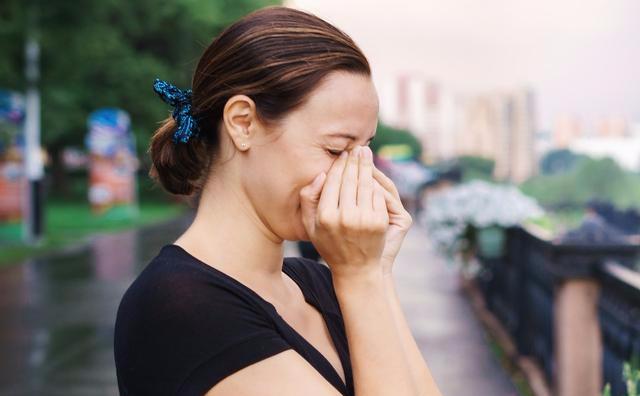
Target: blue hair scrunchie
column 181, row 101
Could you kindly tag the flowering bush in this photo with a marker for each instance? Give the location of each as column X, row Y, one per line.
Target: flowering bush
column 452, row 215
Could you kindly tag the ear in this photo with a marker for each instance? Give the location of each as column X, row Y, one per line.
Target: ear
column 239, row 119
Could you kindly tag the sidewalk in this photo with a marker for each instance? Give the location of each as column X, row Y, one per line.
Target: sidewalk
column 443, row 323
column 56, row 333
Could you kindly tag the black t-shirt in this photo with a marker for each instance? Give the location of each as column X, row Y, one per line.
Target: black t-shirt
column 182, row 326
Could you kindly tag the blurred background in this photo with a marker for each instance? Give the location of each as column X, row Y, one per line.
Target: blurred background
column 511, row 129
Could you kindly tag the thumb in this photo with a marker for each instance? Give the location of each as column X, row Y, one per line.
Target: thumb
column 309, row 198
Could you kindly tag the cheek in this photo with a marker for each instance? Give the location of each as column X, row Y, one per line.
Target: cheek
column 310, row 172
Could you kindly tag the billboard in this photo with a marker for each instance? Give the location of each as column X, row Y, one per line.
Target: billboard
column 13, row 180
column 112, row 161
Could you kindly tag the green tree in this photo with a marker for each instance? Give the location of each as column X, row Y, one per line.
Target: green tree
column 559, row 161
column 104, row 53
column 386, row 135
column 589, row 179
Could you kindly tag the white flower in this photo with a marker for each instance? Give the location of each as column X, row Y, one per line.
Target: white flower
column 477, row 203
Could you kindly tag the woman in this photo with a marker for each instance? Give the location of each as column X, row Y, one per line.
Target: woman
column 273, row 143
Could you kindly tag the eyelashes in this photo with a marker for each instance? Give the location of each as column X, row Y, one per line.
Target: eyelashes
column 336, row 153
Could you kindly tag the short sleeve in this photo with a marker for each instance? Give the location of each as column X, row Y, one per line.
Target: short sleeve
column 181, row 335
column 235, row 331
column 231, row 359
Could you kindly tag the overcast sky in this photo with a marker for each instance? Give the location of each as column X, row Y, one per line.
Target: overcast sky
column 581, row 57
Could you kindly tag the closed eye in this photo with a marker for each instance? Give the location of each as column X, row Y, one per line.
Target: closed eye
column 334, row 153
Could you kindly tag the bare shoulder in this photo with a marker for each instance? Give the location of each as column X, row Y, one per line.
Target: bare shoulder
column 284, row 374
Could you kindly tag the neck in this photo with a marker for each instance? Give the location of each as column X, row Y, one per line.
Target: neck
column 228, row 234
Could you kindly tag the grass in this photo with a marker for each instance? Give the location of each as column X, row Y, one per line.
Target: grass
column 70, row 222
column 558, row 222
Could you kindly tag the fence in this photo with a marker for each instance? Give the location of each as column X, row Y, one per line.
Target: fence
column 573, row 309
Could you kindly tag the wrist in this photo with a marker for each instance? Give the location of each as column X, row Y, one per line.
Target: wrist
column 387, row 266
column 362, row 280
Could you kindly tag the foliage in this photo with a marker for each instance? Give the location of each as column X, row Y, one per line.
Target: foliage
column 386, row 135
column 631, row 375
column 476, row 168
column 589, row 179
column 558, row 221
column 559, row 161
column 99, row 53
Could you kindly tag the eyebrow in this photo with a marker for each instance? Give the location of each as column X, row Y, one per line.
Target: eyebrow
column 349, row 136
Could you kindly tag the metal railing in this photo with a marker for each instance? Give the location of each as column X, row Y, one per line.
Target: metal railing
column 521, row 287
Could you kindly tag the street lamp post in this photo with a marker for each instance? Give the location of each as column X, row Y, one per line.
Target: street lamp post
column 33, row 157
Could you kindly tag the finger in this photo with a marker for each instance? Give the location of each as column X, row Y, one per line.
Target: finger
column 348, row 188
column 309, row 197
column 330, row 193
column 311, row 192
column 394, row 206
column 386, row 182
column 365, row 179
column 378, row 199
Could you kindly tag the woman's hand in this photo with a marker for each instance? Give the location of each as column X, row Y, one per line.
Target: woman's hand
column 345, row 215
column 399, row 221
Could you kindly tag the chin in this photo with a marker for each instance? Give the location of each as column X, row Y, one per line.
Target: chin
column 301, row 232
column 304, row 236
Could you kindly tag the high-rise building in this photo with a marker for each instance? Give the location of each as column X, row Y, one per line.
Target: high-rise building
column 495, row 125
column 612, row 127
column 567, row 128
column 501, row 126
column 520, row 144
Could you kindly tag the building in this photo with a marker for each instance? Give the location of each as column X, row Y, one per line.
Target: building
column 567, row 128
column 496, row 125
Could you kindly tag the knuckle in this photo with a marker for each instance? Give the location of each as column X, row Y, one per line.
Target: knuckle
column 369, row 226
column 375, row 223
column 408, row 216
column 346, row 220
column 380, row 228
column 325, row 219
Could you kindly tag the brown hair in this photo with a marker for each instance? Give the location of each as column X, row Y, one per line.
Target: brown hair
column 275, row 55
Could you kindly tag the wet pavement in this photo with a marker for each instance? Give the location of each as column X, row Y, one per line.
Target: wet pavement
column 58, row 313
column 451, row 338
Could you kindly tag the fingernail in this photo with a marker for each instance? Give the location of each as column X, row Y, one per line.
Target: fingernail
column 344, row 154
column 357, row 151
column 368, row 151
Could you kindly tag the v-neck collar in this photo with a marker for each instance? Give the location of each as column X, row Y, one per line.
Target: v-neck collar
column 310, row 299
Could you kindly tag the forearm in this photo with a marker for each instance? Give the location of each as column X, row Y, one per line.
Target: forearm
column 377, row 358
column 420, row 373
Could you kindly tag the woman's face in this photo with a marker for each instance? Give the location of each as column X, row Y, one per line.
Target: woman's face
column 340, row 114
